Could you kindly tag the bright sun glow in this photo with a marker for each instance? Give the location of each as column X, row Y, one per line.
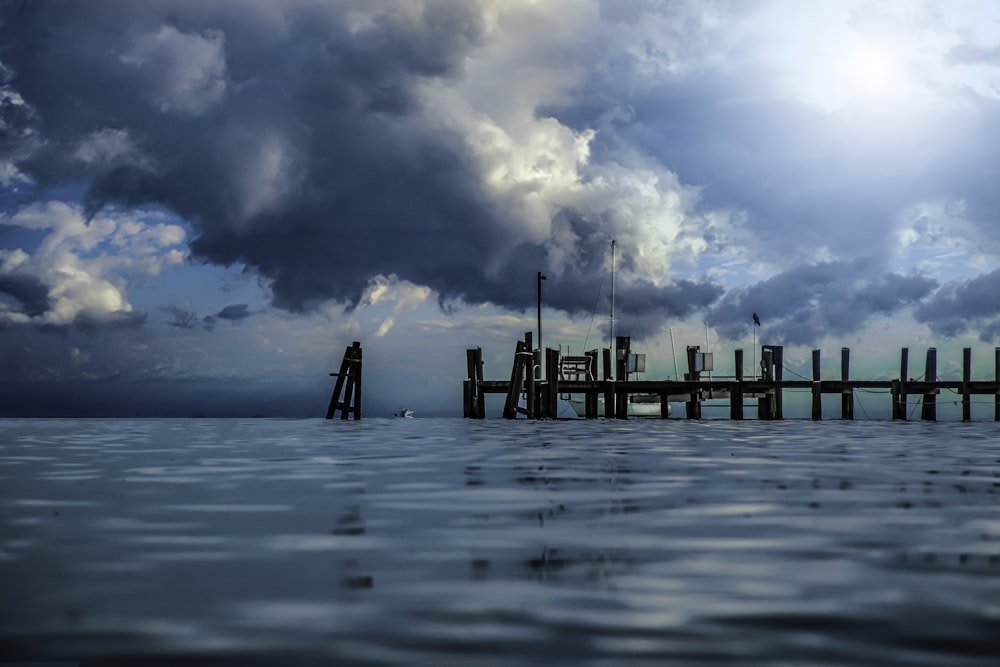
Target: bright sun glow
column 871, row 72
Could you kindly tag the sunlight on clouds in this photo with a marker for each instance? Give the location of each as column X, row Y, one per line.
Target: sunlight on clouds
column 404, row 296
column 80, row 267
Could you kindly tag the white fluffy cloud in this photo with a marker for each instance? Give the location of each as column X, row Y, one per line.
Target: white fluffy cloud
column 80, row 269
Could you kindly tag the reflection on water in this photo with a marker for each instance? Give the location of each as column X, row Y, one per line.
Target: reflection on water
column 420, row 542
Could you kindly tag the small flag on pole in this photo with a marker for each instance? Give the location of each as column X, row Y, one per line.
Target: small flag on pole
column 756, row 320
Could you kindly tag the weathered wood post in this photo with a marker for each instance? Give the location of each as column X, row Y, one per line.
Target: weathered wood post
column 693, row 404
column 609, row 386
column 996, row 377
column 516, row 378
column 348, row 382
column 899, row 387
column 536, row 369
column 765, row 404
column 530, row 395
column 552, row 383
column 338, row 385
column 778, row 359
column 817, row 388
column 474, row 405
column 623, row 347
column 966, row 378
column 736, row 392
column 929, row 410
column 590, row 404
column 846, row 394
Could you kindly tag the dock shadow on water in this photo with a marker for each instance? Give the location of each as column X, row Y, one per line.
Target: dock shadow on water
column 465, row 542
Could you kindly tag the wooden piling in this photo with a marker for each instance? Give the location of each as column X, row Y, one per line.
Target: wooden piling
column 349, row 382
column 474, row 404
column 530, row 399
column 551, row 383
column 765, row 404
column 996, row 378
column 929, row 410
column 693, row 405
column 817, row 394
column 847, row 393
column 623, row 345
column 778, row 359
column 966, row 378
column 510, row 408
column 590, row 404
column 736, row 393
column 899, row 387
column 609, row 387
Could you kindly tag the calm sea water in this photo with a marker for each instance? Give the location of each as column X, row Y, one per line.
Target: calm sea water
column 453, row 542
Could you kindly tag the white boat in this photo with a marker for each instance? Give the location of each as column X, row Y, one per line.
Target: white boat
column 403, row 412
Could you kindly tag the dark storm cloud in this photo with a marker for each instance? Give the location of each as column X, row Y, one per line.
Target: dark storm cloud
column 188, row 319
column 291, row 137
column 31, row 295
column 960, row 306
column 234, row 313
column 808, row 303
column 182, row 319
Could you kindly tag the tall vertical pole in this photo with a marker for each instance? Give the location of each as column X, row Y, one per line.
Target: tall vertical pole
column 540, row 279
column 674, row 351
column 612, row 298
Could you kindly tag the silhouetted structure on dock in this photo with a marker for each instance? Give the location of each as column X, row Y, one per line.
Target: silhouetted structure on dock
column 542, row 394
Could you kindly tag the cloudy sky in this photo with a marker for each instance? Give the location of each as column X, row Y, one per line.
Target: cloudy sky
column 202, row 203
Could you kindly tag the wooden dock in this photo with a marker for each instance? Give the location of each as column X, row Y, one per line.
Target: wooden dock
column 541, row 393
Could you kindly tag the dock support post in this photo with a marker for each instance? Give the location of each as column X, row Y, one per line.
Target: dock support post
column 847, row 394
column 966, row 378
column 609, row 386
column 551, row 383
column 536, row 371
column 996, row 377
column 929, row 410
column 623, row 346
column 899, row 392
column 516, row 377
column 765, row 404
column 778, row 359
column 736, row 392
column 693, row 404
column 817, row 388
column 530, row 399
column 590, row 402
column 348, row 382
column 474, row 406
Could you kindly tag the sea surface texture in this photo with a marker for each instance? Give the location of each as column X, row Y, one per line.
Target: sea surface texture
column 459, row 542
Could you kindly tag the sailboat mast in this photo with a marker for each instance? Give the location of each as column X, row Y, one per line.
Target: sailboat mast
column 613, row 363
